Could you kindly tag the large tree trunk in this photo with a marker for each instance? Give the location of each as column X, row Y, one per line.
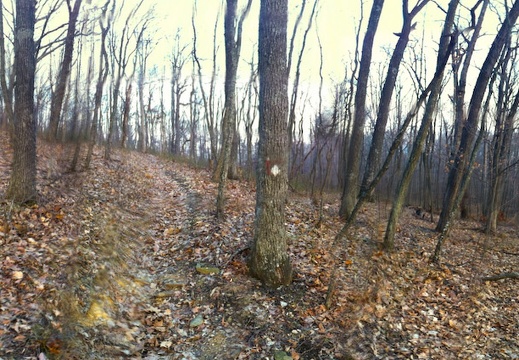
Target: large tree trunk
column 350, row 187
column 22, row 184
column 61, row 86
column 269, row 259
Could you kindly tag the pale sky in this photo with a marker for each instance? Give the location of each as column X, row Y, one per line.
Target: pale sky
column 336, row 22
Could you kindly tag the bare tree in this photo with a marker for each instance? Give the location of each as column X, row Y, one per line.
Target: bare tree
column 502, row 139
column 375, row 151
column 233, row 36
column 459, row 173
column 352, row 168
column 251, row 96
column 144, row 49
column 208, row 101
column 269, row 260
column 49, row 39
column 445, row 48
column 105, row 22
column 121, row 51
column 178, row 87
column 297, row 75
column 59, row 92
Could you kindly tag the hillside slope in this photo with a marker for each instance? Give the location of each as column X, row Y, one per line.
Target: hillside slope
column 125, row 260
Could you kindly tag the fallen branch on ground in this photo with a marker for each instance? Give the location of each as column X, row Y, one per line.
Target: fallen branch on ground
column 508, row 275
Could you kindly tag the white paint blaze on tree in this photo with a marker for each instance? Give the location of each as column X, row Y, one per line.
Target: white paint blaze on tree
column 269, row 259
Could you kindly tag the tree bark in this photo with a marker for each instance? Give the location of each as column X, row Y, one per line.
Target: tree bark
column 103, row 74
column 61, row 86
column 269, row 260
column 375, row 151
column 7, row 91
column 502, row 139
column 461, row 160
column 445, row 48
column 350, row 188
column 232, row 54
column 22, row 183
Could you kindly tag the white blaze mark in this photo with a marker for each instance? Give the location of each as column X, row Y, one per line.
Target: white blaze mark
column 274, row 170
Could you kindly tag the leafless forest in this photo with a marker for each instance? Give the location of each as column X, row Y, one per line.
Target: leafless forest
column 402, row 153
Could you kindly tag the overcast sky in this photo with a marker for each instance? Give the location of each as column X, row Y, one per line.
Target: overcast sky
column 336, row 22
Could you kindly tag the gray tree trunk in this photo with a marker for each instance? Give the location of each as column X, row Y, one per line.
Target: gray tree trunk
column 22, row 183
column 269, row 260
column 461, row 160
column 232, row 55
column 7, row 91
column 445, row 48
column 59, row 93
column 351, row 179
column 103, row 74
column 375, row 151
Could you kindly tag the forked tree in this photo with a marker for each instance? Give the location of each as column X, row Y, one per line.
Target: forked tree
column 445, row 47
column 352, row 168
column 233, row 35
column 63, row 77
column 375, row 151
column 269, row 260
column 105, row 23
column 460, row 172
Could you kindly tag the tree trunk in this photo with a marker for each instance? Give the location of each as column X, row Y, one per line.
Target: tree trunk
column 113, row 117
column 375, row 151
column 22, row 183
column 350, row 189
column 233, row 173
column 126, row 112
column 232, row 54
column 297, row 76
column 7, row 93
column 445, row 48
column 103, row 74
column 461, row 160
column 207, row 100
column 59, row 93
column 269, row 259
column 502, row 143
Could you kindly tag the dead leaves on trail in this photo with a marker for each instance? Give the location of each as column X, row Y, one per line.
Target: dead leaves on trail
column 126, row 260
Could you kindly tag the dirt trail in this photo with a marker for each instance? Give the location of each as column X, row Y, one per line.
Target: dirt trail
column 126, row 261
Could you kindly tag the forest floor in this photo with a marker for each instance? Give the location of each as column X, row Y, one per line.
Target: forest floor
column 126, row 261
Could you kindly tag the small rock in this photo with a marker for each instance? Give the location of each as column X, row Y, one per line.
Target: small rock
column 281, row 355
column 207, row 269
column 197, row 321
